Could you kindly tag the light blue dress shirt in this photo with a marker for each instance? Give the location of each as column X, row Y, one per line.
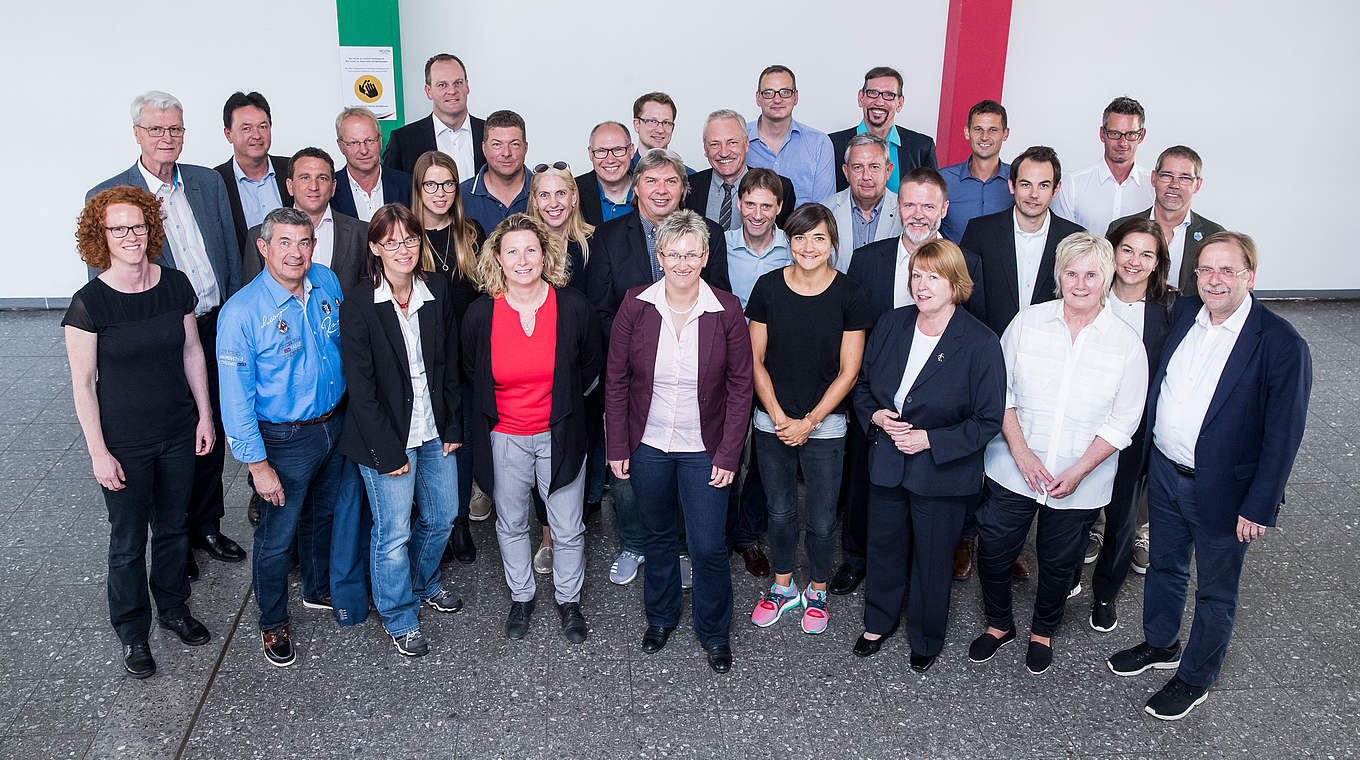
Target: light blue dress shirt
column 970, row 197
column 805, row 158
column 745, row 266
column 257, row 198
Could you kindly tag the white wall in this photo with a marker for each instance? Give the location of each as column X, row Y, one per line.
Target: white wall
column 75, row 68
column 1265, row 94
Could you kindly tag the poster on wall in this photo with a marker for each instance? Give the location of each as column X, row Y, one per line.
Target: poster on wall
column 367, row 80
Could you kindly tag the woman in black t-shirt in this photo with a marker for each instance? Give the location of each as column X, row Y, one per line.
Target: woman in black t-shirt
column 808, row 323
column 141, row 395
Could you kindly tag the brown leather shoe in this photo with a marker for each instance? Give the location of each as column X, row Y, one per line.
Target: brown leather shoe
column 963, row 558
column 756, row 562
column 1021, row 568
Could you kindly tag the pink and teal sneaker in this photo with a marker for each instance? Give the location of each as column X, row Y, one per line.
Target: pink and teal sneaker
column 777, row 601
column 814, row 611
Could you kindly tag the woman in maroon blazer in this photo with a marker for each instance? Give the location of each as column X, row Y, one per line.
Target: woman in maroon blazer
column 677, row 404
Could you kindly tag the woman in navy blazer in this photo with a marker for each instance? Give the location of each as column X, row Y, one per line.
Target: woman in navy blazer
column 677, row 404
column 931, row 394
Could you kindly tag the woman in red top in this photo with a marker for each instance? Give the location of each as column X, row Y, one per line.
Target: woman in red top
column 531, row 348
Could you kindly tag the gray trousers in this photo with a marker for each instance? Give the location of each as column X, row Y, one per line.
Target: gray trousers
column 522, row 462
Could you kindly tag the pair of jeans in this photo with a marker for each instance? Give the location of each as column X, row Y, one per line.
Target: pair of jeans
column 310, row 470
column 1179, row 527
column 626, row 516
column 659, row 477
column 405, row 549
column 157, row 481
column 523, row 464
column 821, row 460
column 1003, row 522
column 351, row 526
column 747, row 505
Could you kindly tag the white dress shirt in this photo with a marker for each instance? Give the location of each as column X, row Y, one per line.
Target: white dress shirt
column 323, row 252
column 1192, row 375
column 902, row 277
column 423, row 428
column 1029, row 252
column 1130, row 313
column 185, row 239
column 1176, row 247
column 1093, row 199
column 1066, row 393
column 456, row 143
column 673, row 418
column 922, row 346
column 366, row 203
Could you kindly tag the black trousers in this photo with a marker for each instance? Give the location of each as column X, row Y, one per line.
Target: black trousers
column 747, row 505
column 1121, row 525
column 158, row 477
column 911, row 530
column 855, row 497
column 1003, row 522
column 206, row 506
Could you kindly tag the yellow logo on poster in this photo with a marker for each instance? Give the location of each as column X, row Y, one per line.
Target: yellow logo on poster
column 368, row 88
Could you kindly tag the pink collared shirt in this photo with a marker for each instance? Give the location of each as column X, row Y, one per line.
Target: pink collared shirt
column 673, row 418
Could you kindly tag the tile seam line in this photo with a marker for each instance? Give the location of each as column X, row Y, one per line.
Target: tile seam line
column 212, row 678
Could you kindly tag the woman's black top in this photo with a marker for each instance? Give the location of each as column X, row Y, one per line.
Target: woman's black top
column 143, row 392
column 463, row 291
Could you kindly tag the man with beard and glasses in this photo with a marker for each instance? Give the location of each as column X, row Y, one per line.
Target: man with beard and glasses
column 881, row 99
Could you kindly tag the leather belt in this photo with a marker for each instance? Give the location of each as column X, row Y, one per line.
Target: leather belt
column 312, row 421
column 1188, row 472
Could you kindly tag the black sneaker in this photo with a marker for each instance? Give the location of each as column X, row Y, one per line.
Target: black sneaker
column 1104, row 617
column 447, row 600
column 412, row 644
column 984, row 647
column 517, row 623
column 1039, row 657
column 137, row 660
column 573, row 623
column 1135, row 660
column 278, row 647
column 1176, row 699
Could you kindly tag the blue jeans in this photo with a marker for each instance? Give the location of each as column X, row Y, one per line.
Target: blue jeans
column 626, row 517
column 1178, row 530
column 658, row 477
column 821, row 460
column 405, row 558
column 351, row 524
column 310, row 469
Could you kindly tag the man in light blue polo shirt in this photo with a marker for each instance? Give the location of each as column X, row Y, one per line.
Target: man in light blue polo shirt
column 788, row 147
column 981, row 184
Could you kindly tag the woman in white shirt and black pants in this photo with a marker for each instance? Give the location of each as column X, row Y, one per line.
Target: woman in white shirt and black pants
column 1075, row 389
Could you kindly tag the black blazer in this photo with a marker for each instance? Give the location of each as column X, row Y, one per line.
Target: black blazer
column 959, row 399
column 916, row 150
column 576, row 366
column 238, row 214
column 1252, row 430
column 588, row 198
column 1199, row 229
column 701, row 182
column 348, row 259
column 619, row 262
column 396, row 185
column 378, row 378
column 874, row 267
column 576, row 258
column 406, row 144
column 992, row 238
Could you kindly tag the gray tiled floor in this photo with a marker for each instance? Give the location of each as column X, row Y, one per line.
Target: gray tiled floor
column 1285, row 691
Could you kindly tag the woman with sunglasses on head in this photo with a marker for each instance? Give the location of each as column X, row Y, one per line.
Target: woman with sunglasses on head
column 451, row 241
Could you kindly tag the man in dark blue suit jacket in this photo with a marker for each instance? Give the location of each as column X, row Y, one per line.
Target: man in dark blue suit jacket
column 1226, row 411
column 360, row 141
column 881, row 98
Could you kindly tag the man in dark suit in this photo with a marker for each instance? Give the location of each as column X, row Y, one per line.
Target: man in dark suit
column 341, row 241
column 255, row 180
column 200, row 241
column 364, row 185
column 713, row 191
column 605, row 193
column 1174, row 182
column 881, row 99
column 1226, row 411
column 448, row 128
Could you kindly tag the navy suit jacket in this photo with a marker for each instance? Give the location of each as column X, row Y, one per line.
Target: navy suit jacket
column 959, row 399
column 405, row 144
column 396, row 185
column 700, row 183
column 992, row 238
column 916, row 150
column 1252, row 430
column 238, row 214
column 207, row 196
column 874, row 267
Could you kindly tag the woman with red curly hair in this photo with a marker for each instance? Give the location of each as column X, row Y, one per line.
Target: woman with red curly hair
column 141, row 391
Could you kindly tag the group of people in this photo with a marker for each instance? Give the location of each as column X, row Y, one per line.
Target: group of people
column 945, row 356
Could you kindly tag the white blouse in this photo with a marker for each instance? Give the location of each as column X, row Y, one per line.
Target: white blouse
column 423, row 428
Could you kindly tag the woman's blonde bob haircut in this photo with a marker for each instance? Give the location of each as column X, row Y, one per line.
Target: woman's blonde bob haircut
column 555, row 264
column 945, row 259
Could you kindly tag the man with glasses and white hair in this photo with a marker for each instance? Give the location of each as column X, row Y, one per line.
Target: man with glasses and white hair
column 200, row 236
column 881, row 98
column 713, row 191
column 365, row 185
column 789, row 148
column 1115, row 187
column 605, row 192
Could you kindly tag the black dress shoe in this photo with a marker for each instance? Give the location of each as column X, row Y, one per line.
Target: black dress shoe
column 846, row 579
column 220, row 547
column 868, row 647
column 191, row 567
column 922, row 662
column 720, row 658
column 189, row 630
column 253, row 511
column 591, row 509
column 654, row 638
column 137, row 660
column 517, row 623
column 574, row 626
column 461, row 541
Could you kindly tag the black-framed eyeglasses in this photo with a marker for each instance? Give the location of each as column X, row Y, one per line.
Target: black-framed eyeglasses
column 122, row 230
column 783, row 92
column 617, row 151
column 667, row 123
column 884, row 94
column 432, row 187
column 159, row 132
column 391, row 246
column 561, row 166
column 1114, row 135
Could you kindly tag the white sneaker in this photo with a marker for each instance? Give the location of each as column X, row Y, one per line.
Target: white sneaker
column 1141, row 559
column 543, row 560
column 479, row 508
column 625, row 568
column 686, row 572
column 1075, row 591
